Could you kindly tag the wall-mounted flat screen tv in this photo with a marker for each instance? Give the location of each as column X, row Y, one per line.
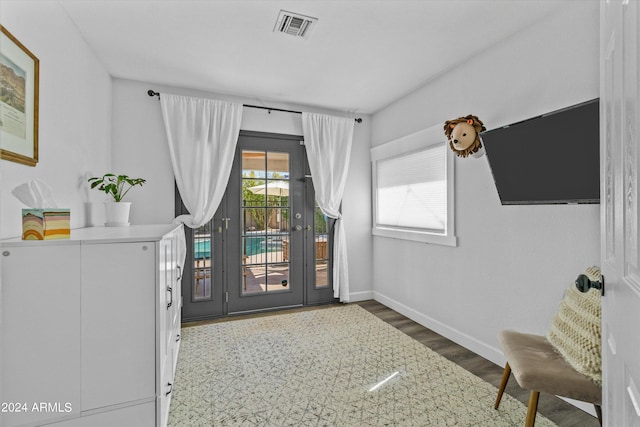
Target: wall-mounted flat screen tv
column 550, row 159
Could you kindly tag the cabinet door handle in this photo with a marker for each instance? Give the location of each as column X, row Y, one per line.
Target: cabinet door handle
column 179, row 273
column 170, row 290
column 170, row 389
column 177, row 337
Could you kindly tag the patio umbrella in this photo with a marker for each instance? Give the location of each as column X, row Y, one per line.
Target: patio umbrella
column 272, row 188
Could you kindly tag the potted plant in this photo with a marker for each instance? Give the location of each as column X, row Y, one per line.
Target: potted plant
column 116, row 186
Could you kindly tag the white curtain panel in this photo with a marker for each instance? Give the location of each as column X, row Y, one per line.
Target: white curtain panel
column 328, row 141
column 202, row 135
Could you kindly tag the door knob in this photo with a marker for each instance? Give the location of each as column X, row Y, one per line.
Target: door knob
column 298, row 227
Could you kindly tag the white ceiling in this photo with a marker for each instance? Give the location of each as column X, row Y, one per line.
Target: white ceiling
column 361, row 55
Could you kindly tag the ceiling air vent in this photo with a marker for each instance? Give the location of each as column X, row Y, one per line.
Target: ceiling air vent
column 294, row 24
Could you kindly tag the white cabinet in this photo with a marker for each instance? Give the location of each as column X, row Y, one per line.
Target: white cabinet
column 41, row 332
column 93, row 321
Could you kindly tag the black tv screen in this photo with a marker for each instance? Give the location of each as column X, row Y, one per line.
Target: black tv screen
column 549, row 159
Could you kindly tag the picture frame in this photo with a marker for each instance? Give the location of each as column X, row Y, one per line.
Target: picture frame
column 19, row 93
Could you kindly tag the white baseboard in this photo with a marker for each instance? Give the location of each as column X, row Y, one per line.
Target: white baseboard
column 360, row 296
column 480, row 348
column 490, row 353
column 586, row 407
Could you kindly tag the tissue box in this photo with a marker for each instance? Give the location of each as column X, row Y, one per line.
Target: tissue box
column 45, row 224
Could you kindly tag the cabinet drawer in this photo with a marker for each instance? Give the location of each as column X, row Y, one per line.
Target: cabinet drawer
column 166, row 391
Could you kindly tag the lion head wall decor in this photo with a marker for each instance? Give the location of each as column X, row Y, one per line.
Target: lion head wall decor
column 463, row 135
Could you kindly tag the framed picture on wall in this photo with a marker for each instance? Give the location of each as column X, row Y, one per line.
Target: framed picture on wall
column 19, row 74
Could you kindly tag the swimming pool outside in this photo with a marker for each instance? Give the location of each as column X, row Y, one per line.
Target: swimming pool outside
column 254, row 244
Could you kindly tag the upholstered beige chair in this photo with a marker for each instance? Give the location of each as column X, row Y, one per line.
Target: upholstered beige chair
column 567, row 361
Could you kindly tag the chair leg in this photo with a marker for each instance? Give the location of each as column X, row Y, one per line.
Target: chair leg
column 599, row 413
column 503, row 384
column 533, row 409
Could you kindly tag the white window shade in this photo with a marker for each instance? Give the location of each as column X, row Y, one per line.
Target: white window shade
column 413, row 188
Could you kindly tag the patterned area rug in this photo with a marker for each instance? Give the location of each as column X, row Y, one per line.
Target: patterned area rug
column 339, row 366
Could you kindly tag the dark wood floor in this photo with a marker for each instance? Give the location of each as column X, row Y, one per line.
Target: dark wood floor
column 557, row 410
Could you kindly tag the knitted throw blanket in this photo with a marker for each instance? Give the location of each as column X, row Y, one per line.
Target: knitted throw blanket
column 575, row 329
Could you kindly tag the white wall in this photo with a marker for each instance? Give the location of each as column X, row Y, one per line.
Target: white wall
column 140, row 150
column 74, row 114
column 513, row 263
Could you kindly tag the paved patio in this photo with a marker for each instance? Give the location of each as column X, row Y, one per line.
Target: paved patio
column 255, row 278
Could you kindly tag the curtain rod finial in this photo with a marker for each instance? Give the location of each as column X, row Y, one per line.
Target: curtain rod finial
column 150, row 92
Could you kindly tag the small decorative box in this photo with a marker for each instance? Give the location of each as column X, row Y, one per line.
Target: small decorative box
column 45, row 224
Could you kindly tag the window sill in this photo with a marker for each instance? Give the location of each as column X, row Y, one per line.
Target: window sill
column 415, row 236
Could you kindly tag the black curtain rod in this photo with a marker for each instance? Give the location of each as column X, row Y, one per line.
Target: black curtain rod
column 152, row 93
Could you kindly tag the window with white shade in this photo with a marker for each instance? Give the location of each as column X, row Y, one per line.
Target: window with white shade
column 413, row 188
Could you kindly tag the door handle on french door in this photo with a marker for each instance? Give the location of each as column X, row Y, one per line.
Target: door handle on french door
column 298, row 227
column 226, row 223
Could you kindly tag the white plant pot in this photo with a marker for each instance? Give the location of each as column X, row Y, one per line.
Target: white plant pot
column 117, row 214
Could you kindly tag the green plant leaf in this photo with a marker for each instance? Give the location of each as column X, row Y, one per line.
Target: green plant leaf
column 117, row 186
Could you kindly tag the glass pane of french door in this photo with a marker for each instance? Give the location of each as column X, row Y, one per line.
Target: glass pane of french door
column 319, row 286
column 202, row 265
column 265, row 214
column 321, row 249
